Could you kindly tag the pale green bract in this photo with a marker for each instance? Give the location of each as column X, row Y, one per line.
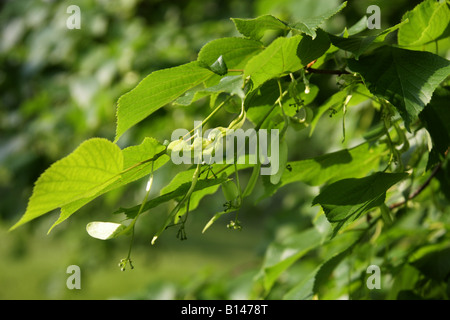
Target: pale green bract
column 104, row 230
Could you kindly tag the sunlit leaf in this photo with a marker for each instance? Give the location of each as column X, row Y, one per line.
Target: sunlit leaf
column 426, row 23
column 156, row 90
column 278, row 58
column 92, row 167
column 136, row 166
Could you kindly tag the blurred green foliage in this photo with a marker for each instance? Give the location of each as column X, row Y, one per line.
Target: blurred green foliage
column 59, row 87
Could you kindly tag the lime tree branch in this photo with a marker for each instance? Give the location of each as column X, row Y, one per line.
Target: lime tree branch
column 310, row 69
column 420, row 188
column 324, row 71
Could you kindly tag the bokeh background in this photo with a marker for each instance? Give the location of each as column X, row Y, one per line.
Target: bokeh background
column 59, row 87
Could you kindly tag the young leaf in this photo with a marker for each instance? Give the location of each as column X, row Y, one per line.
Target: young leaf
column 346, row 200
column 92, row 167
column 155, row 91
column 219, row 67
column 255, row 28
column 426, row 23
column 405, row 78
column 310, row 25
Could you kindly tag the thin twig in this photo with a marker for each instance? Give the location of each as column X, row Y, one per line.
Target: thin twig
column 419, row 190
column 323, row 71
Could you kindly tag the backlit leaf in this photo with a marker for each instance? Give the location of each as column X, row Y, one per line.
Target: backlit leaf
column 426, row 23
column 92, row 167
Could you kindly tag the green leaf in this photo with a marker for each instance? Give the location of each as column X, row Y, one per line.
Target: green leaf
column 136, row 166
column 360, row 44
column 326, row 269
column 346, row 200
column 426, row 23
column 436, row 118
column 433, row 261
column 156, row 90
column 405, row 78
column 358, row 27
column 234, row 51
column 303, row 290
column 310, row 25
column 278, row 58
column 232, row 85
column 281, row 255
column 104, row 230
column 255, row 28
column 219, row 67
column 355, row 162
column 92, row 167
column 310, row 48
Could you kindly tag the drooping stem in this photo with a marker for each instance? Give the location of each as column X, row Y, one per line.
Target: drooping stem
column 180, row 204
column 237, row 182
column 133, row 222
column 419, row 190
column 275, row 104
column 285, row 117
column 253, row 179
